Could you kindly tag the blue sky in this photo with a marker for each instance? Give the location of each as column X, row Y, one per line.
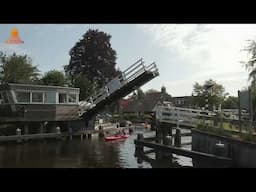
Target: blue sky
column 184, row 53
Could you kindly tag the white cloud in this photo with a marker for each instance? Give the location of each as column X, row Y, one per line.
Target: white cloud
column 206, row 50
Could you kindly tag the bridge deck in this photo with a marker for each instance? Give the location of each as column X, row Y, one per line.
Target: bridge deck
column 139, row 77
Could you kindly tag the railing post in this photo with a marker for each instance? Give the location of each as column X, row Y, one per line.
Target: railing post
column 177, row 141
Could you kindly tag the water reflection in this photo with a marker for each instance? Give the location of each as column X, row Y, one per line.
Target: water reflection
column 94, row 153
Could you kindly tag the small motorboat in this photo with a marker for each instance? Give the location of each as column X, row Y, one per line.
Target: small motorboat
column 116, row 137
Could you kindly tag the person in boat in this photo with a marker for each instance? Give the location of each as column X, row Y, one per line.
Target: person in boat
column 118, row 133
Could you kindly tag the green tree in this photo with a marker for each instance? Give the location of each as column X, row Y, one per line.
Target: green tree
column 86, row 87
column 54, row 77
column 151, row 91
column 93, row 57
column 216, row 94
column 17, row 69
column 230, row 102
column 250, row 63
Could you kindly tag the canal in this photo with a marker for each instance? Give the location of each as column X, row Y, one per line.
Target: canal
column 93, row 153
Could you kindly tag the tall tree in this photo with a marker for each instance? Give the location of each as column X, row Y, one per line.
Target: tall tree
column 230, row 102
column 149, row 91
column 86, row 87
column 17, row 69
column 250, row 63
column 54, row 77
column 216, row 94
column 94, row 58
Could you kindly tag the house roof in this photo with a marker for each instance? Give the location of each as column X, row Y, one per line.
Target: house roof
column 147, row 103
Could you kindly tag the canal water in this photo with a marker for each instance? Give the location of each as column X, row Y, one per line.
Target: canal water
column 93, row 153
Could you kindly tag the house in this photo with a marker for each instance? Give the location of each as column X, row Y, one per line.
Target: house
column 146, row 104
column 183, row 101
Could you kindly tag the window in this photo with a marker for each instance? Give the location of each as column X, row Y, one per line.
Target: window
column 50, row 97
column 62, row 98
column 72, row 98
column 37, row 97
column 23, row 97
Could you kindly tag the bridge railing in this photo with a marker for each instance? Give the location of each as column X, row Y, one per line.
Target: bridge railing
column 186, row 116
column 128, row 75
column 243, row 129
column 214, row 122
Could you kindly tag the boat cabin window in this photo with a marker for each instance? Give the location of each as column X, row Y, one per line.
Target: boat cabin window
column 50, row 97
column 62, row 98
column 23, row 97
column 72, row 98
column 37, row 97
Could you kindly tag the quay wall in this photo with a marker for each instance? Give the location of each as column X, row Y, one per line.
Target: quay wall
column 242, row 153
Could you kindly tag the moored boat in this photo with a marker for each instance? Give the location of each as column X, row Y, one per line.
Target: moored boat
column 116, row 137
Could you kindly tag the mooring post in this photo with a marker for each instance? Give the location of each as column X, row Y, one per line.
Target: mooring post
column 26, row 129
column 165, row 134
column 57, row 129
column 82, row 134
column 239, row 112
column 101, row 132
column 168, row 140
column 70, row 133
column 18, row 132
column 139, row 148
column 177, row 139
column 153, row 121
column 158, row 154
column 41, row 128
column 89, row 135
column 139, row 160
column 219, row 149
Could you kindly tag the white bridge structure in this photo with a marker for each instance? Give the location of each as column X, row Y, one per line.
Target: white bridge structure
column 127, row 81
column 187, row 117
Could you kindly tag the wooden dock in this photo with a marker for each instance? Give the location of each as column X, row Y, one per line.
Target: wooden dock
column 180, row 151
column 58, row 135
column 166, row 150
column 30, row 137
